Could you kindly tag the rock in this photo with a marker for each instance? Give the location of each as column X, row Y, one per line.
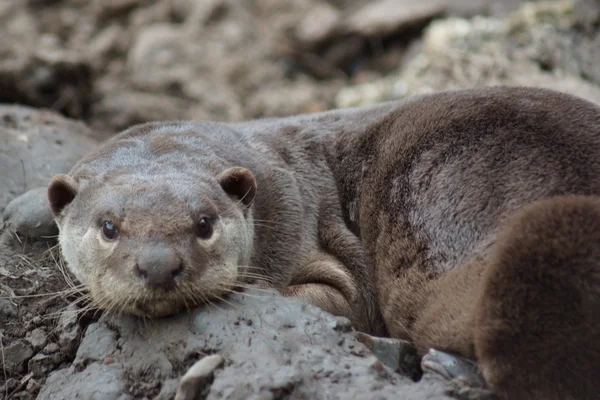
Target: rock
column 535, row 45
column 122, row 108
column 342, row 324
column 46, row 76
column 98, row 344
column 164, row 60
column 204, row 12
column 289, row 349
column 15, row 356
column 106, row 9
column 70, row 332
column 29, row 215
column 194, row 382
column 318, row 25
column 35, row 145
column 7, row 310
column 398, row 355
column 37, row 338
column 33, row 386
column 385, row 17
column 98, row 381
column 51, row 348
column 41, row 364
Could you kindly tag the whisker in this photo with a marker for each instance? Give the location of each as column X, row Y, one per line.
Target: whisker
column 255, row 296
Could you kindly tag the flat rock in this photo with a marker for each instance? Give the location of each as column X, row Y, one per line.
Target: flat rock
column 383, row 18
column 15, row 356
column 37, row 338
column 35, row 145
column 272, row 347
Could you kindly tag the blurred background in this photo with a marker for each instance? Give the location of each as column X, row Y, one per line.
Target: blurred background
column 113, row 63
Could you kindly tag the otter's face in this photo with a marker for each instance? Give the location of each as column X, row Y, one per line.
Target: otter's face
column 153, row 247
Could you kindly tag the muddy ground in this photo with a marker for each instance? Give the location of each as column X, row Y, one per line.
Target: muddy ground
column 81, row 70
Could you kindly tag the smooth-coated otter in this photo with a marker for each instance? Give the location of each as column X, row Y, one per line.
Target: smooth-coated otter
column 477, row 211
column 166, row 216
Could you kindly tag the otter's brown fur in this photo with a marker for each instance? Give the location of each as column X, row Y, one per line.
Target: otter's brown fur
column 469, row 219
column 462, row 201
column 272, row 205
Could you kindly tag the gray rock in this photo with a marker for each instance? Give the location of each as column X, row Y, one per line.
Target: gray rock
column 15, row 356
column 97, row 382
column 30, row 216
column 98, row 344
column 37, row 338
column 34, row 145
column 399, row 355
column 385, row 17
column 535, row 45
column 7, row 310
column 318, row 25
column 70, row 331
column 41, row 364
column 51, row 348
column 289, row 349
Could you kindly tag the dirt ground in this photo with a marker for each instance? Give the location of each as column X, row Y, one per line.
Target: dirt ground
column 81, row 70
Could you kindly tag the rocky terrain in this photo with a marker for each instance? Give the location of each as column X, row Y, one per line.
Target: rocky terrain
column 74, row 72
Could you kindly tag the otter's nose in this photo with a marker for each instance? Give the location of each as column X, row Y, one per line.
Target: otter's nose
column 159, row 265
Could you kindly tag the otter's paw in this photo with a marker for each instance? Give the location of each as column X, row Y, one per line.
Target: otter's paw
column 29, row 216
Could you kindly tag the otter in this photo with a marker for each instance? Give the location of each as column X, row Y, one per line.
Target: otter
column 467, row 222
column 166, row 216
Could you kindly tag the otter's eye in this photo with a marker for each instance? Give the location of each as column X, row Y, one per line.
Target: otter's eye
column 109, row 231
column 204, row 228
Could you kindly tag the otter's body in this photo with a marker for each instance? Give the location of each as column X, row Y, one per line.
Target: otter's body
column 468, row 220
column 478, row 210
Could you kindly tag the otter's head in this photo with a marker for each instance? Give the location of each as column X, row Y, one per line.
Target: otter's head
column 152, row 246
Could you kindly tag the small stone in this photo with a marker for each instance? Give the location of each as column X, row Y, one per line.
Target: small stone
column 41, row 364
column 193, row 382
column 70, row 332
column 51, row 348
column 342, row 324
column 98, row 344
column 16, row 356
column 203, row 12
column 397, row 354
column 7, row 310
column 33, row 386
column 383, row 18
column 37, row 338
column 318, row 25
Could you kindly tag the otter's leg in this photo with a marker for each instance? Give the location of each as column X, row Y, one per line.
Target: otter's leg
column 530, row 313
column 327, row 284
column 537, row 321
column 29, row 215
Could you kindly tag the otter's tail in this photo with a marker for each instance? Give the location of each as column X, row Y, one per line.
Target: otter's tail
column 537, row 324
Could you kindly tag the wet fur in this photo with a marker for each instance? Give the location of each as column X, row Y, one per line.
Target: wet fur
column 469, row 219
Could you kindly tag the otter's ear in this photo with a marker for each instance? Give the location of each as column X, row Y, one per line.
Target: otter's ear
column 238, row 182
column 61, row 192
